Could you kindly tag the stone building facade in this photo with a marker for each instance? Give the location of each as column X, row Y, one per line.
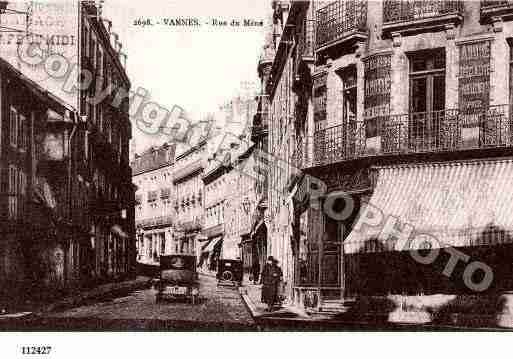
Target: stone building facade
column 390, row 99
column 102, row 152
column 65, row 157
column 189, row 197
column 154, row 213
column 34, row 204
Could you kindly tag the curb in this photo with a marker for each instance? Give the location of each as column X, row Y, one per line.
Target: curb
column 249, row 303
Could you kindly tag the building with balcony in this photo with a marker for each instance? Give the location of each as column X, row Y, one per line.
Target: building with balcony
column 189, row 197
column 71, row 179
column 240, row 206
column 102, row 150
column 34, row 202
column 154, row 200
column 281, row 131
column 407, row 109
column 216, row 187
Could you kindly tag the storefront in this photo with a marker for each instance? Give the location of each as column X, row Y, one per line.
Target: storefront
column 210, row 253
column 434, row 228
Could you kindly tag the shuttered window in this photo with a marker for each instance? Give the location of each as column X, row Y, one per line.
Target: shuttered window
column 13, row 127
column 12, row 192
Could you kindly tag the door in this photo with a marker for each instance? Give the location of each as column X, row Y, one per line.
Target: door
column 427, row 99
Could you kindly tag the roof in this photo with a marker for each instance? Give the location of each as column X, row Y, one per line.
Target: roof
column 154, row 158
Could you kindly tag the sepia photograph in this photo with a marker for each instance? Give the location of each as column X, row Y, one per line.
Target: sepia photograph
column 257, row 166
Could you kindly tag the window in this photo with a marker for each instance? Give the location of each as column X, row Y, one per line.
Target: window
column 86, row 145
column 91, row 107
column 13, row 127
column 427, row 96
column 510, row 75
column 100, row 65
column 85, row 37
column 13, row 191
column 22, row 132
column 162, row 244
column 99, row 117
column 93, row 49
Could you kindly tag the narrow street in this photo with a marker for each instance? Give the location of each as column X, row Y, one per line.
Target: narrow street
column 221, row 308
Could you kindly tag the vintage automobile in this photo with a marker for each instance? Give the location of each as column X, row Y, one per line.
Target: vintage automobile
column 229, row 271
column 178, row 278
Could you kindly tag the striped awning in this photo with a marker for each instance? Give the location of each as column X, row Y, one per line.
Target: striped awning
column 211, row 245
column 452, row 204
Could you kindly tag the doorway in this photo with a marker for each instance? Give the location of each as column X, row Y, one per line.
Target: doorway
column 427, row 99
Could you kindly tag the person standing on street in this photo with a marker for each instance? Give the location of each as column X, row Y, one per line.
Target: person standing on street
column 255, row 271
column 271, row 278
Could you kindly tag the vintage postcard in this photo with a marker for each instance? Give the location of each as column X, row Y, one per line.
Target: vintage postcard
column 255, row 165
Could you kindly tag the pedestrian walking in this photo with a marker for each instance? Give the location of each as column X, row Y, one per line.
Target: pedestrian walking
column 271, row 278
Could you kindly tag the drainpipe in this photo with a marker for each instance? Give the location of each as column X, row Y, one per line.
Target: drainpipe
column 69, row 188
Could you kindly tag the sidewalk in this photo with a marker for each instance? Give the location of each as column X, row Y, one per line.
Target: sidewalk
column 251, row 294
column 75, row 299
column 367, row 316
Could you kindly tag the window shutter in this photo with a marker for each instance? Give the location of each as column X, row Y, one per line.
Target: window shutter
column 13, row 124
column 22, row 123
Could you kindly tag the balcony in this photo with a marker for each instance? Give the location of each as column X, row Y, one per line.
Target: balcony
column 300, row 157
column 155, row 222
column 415, row 15
column 165, row 193
column 494, row 8
column 341, row 22
column 422, row 132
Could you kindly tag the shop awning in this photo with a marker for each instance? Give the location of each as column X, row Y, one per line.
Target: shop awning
column 210, row 246
column 459, row 204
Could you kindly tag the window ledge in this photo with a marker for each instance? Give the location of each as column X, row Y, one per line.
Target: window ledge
column 421, row 25
column 501, row 11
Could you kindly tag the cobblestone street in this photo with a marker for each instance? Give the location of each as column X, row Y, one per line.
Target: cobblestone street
column 220, row 308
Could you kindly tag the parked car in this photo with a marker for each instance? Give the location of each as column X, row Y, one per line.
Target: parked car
column 229, row 271
column 178, row 278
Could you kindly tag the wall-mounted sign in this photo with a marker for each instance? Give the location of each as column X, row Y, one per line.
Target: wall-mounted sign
column 473, row 89
column 376, row 98
column 377, row 85
column 51, row 26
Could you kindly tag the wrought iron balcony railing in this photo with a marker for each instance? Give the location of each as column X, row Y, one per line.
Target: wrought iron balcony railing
column 339, row 20
column 339, row 142
column 495, row 3
column 411, row 10
column 491, row 8
column 300, row 155
column 154, row 222
column 437, row 131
